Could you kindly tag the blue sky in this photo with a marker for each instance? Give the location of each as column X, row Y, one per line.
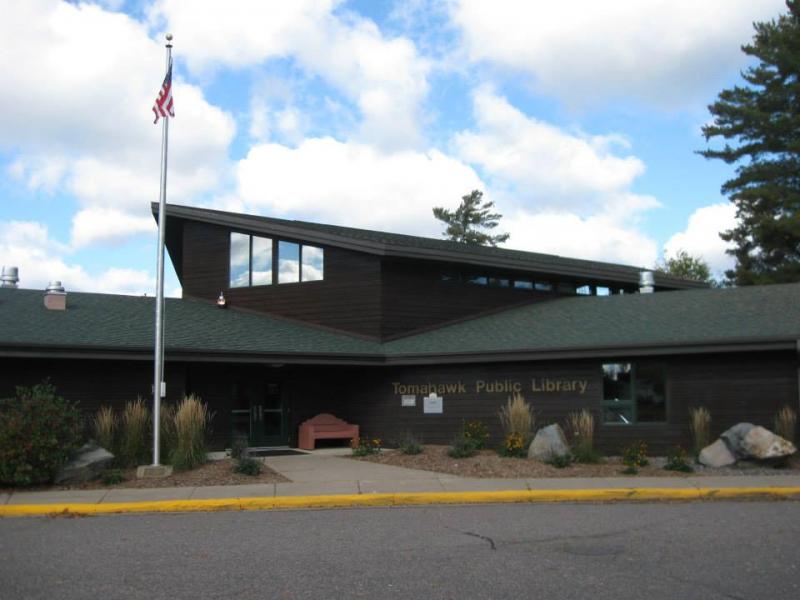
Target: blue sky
column 580, row 120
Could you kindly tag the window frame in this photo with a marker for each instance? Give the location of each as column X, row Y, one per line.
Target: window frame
column 274, row 247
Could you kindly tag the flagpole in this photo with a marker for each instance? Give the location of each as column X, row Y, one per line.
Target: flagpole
column 162, row 226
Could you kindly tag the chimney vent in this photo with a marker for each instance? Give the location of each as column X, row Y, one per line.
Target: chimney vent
column 647, row 282
column 10, row 277
column 55, row 298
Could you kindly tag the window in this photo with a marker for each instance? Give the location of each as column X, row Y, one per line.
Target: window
column 584, row 290
column 603, row 291
column 288, row 262
column 251, row 261
column 499, row 282
column 634, row 393
column 523, row 284
column 451, row 276
column 312, row 266
column 478, row 279
column 240, row 260
column 543, row 286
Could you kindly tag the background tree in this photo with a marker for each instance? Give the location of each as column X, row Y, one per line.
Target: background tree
column 686, row 266
column 761, row 125
column 465, row 223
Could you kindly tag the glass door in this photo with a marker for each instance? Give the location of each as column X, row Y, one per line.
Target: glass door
column 268, row 417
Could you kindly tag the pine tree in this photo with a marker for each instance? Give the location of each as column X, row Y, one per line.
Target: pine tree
column 761, row 125
column 465, row 223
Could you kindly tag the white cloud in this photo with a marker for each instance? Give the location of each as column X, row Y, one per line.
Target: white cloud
column 547, row 168
column 93, row 225
column 326, row 180
column 701, row 236
column 79, row 82
column 384, row 76
column 567, row 234
column 27, row 245
column 666, row 51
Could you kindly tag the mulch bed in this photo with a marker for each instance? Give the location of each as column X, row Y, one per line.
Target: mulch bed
column 216, row 472
column 488, row 464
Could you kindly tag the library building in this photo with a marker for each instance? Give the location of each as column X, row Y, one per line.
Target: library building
column 283, row 320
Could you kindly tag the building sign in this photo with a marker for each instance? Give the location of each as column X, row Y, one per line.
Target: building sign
column 432, row 404
column 408, row 400
column 536, row 385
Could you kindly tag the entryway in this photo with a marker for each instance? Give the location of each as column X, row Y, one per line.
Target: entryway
column 258, row 417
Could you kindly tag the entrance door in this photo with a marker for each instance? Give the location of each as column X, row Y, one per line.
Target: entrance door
column 258, row 417
column 268, row 417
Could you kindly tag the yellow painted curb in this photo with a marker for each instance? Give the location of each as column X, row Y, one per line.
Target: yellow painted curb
column 403, row 499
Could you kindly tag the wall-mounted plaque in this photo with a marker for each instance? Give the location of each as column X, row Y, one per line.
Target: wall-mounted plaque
column 408, row 400
column 433, row 404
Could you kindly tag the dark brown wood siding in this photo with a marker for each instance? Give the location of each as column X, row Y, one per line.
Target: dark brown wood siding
column 415, row 296
column 348, row 298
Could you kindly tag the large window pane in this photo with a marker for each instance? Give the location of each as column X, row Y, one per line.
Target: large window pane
column 313, row 263
column 288, row 262
column 651, row 405
column 240, row 260
column 618, row 393
column 262, row 261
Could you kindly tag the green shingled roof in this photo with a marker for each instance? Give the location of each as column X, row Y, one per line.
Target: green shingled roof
column 127, row 323
column 668, row 319
column 662, row 319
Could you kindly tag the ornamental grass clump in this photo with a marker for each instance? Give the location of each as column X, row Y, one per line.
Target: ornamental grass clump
column 134, row 439
column 517, row 417
column 700, row 424
column 192, row 421
column 581, row 427
column 168, row 434
column 105, row 425
column 786, row 423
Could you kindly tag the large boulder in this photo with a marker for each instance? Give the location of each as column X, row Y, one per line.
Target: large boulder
column 549, row 442
column 734, row 437
column 762, row 444
column 717, row 455
column 87, row 464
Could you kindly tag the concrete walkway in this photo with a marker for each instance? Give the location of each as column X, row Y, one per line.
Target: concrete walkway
column 327, row 472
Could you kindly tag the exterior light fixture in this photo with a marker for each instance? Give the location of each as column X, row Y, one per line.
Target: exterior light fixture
column 221, row 302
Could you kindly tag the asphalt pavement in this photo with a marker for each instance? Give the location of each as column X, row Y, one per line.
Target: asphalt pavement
column 702, row 550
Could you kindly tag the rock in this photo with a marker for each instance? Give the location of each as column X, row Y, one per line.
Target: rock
column 548, row 443
column 87, row 464
column 762, row 444
column 734, row 436
column 717, row 455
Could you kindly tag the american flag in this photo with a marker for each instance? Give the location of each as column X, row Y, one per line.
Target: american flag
column 163, row 106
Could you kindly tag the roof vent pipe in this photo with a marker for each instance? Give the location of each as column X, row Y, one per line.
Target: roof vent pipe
column 55, row 298
column 647, row 282
column 10, row 277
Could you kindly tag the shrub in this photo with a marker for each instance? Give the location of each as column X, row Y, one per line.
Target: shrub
column 168, row 434
column 134, row 442
column 192, row 421
column 409, row 444
column 462, row 447
column 581, row 427
column 39, row 430
column 365, row 446
column 786, row 423
column 513, row 446
column 560, row 461
column 477, row 432
column 105, row 429
column 517, row 417
column 112, row 477
column 238, row 448
column 700, row 424
column 248, row 466
column 634, row 456
column 678, row 460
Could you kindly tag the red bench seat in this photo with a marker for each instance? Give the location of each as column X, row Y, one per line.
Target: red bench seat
column 324, row 427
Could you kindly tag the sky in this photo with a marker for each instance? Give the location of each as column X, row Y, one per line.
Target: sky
column 581, row 120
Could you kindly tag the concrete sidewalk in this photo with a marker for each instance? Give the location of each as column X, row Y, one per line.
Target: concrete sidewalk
column 324, row 474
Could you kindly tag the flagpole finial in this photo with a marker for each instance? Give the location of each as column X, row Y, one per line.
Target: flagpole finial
column 169, row 39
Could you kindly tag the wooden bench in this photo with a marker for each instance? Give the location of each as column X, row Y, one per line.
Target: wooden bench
column 324, row 427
